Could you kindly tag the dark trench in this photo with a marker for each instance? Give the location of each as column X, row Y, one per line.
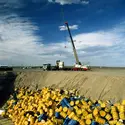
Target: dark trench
column 6, row 86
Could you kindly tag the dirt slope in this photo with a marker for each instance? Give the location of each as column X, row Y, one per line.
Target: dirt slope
column 91, row 84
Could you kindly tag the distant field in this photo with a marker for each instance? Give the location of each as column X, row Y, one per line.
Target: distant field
column 103, row 70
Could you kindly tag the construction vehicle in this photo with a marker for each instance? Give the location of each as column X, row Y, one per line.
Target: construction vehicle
column 46, row 67
column 78, row 65
column 59, row 66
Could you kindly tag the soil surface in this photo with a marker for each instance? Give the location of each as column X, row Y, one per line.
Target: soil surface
column 98, row 84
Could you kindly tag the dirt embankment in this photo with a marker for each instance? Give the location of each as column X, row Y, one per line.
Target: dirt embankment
column 94, row 85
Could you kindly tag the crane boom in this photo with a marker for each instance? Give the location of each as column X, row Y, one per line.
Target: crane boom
column 74, row 49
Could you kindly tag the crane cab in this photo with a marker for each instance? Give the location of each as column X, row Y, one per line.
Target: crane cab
column 59, row 64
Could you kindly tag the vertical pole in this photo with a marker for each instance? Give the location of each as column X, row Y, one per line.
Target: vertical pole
column 74, row 49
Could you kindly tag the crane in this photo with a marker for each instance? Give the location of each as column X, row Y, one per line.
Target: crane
column 74, row 49
column 78, row 65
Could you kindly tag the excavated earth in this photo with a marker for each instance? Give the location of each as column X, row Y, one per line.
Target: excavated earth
column 97, row 84
column 102, row 84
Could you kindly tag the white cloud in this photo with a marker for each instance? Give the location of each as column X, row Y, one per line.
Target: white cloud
column 99, row 38
column 19, row 45
column 62, row 2
column 73, row 27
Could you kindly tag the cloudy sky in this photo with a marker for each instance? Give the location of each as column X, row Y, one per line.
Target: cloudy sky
column 32, row 32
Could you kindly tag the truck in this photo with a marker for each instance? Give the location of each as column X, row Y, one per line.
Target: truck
column 59, row 66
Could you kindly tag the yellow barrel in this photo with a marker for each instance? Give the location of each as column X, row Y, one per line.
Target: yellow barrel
column 81, row 122
column 94, row 101
column 85, row 107
column 60, row 109
column 102, row 113
column 85, row 113
column 123, row 102
column 89, row 110
column 82, row 117
column 41, row 111
column 45, row 109
column 80, row 105
column 32, row 120
column 107, row 109
column 54, row 97
column 56, row 110
column 112, row 122
column 65, row 109
column 100, row 120
column 74, row 117
column 79, row 111
column 54, row 120
column 25, row 122
column 63, row 114
column 76, row 108
column 77, row 102
column 89, row 116
column 59, row 121
column 122, row 115
column 66, row 92
column 50, row 114
column 71, row 115
column 84, row 102
column 72, row 103
column 99, row 101
column 69, row 112
column 108, row 117
column 50, row 103
column 90, row 103
column 119, row 123
column 113, row 108
column 95, row 112
column 115, row 115
column 118, row 107
column 122, row 108
column 88, row 121
column 36, row 121
column 57, row 99
column 103, row 105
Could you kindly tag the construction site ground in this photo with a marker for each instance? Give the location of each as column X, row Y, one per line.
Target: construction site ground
column 99, row 83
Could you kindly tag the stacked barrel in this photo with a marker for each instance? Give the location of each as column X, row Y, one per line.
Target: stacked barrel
column 61, row 107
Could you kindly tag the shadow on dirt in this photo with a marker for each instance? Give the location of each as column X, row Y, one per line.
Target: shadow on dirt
column 6, row 86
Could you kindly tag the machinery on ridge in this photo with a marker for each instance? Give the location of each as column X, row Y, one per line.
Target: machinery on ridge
column 60, row 65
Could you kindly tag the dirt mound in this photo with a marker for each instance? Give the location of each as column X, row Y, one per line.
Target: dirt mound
column 91, row 84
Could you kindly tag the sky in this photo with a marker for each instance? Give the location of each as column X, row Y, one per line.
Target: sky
column 33, row 32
